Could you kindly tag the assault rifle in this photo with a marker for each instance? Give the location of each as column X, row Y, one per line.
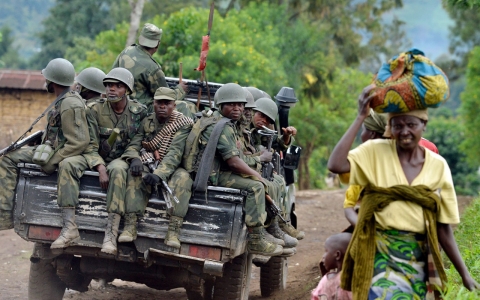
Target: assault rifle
column 267, row 173
column 166, row 190
column 267, row 167
column 20, row 143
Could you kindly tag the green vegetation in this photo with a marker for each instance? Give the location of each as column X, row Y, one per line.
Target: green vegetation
column 468, row 240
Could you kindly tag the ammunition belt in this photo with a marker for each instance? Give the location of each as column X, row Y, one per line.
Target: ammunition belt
column 163, row 139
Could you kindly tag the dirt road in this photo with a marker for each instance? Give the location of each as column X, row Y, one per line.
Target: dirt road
column 320, row 214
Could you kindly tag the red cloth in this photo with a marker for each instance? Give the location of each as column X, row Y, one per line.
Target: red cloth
column 429, row 145
column 203, row 54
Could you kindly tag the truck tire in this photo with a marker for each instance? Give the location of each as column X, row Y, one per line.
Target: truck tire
column 203, row 292
column 235, row 283
column 273, row 276
column 43, row 282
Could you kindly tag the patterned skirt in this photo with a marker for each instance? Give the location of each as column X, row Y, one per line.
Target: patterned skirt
column 400, row 266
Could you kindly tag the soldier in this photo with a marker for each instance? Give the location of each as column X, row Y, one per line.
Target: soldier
column 266, row 112
column 147, row 73
column 162, row 135
column 231, row 171
column 90, row 84
column 117, row 117
column 66, row 135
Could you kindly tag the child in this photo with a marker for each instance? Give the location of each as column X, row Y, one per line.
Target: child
column 329, row 286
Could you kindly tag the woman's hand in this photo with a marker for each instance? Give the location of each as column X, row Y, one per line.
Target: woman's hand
column 470, row 283
column 364, row 100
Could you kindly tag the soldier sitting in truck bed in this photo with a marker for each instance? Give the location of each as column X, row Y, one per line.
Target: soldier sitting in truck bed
column 162, row 136
column 117, row 121
column 229, row 170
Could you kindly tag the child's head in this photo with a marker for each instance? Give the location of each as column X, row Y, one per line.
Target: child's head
column 335, row 248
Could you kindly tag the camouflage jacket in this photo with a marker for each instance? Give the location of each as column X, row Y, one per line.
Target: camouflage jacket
column 147, row 73
column 229, row 145
column 172, row 159
column 250, row 155
column 94, row 99
column 67, row 128
column 187, row 108
column 106, row 120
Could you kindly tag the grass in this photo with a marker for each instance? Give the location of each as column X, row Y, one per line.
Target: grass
column 467, row 236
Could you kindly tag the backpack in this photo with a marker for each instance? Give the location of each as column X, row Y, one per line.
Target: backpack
column 192, row 154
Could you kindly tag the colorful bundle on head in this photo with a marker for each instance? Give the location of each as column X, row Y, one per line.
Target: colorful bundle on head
column 409, row 81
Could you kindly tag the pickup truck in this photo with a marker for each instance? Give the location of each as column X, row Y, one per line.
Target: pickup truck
column 212, row 262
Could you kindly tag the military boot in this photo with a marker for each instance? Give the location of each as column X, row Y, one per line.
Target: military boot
column 272, row 239
column 292, row 231
column 6, row 219
column 171, row 239
column 109, row 245
column 129, row 233
column 275, row 230
column 257, row 244
column 69, row 233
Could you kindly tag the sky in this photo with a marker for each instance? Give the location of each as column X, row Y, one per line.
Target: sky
column 426, row 24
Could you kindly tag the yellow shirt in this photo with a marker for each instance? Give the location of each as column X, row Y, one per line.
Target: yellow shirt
column 351, row 195
column 376, row 162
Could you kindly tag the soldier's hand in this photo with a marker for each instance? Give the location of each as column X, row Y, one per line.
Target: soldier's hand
column 151, row 179
column 136, row 167
column 266, row 156
column 102, row 176
column 184, row 86
column 290, row 130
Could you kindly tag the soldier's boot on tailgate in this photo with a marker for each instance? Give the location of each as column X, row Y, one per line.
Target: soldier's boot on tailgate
column 109, row 245
column 69, row 233
column 292, row 231
column 272, row 239
column 6, row 219
column 129, row 233
column 171, row 239
column 275, row 230
column 257, row 244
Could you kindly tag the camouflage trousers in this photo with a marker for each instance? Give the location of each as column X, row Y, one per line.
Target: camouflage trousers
column 276, row 189
column 117, row 170
column 9, row 174
column 138, row 193
column 70, row 170
column 255, row 214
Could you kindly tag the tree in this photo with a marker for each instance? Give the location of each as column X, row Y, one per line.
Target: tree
column 135, row 16
column 70, row 19
column 469, row 110
column 9, row 57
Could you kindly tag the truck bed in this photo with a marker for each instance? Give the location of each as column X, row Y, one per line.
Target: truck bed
column 214, row 222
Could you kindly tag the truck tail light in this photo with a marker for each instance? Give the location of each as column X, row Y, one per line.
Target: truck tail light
column 43, row 232
column 203, row 252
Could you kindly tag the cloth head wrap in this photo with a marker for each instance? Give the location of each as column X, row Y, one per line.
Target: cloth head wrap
column 375, row 122
column 422, row 114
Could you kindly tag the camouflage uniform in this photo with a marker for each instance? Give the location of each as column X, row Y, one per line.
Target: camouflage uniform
column 187, row 108
column 168, row 169
column 230, row 145
column 147, row 73
column 117, row 168
column 93, row 100
column 67, row 130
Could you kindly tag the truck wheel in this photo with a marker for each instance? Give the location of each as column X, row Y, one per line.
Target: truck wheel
column 203, row 292
column 43, row 282
column 273, row 276
column 235, row 283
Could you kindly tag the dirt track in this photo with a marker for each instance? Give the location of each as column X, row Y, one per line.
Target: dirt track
column 320, row 214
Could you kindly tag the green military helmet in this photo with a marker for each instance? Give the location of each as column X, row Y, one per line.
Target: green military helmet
column 230, row 93
column 120, row 74
column 266, row 95
column 256, row 93
column 60, row 71
column 268, row 107
column 92, row 79
column 250, row 100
